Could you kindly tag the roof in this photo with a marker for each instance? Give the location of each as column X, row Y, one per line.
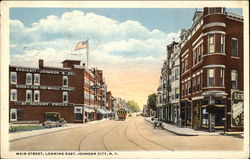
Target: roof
column 71, row 61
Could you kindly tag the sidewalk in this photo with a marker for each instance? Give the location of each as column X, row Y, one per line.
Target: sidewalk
column 27, row 134
column 184, row 131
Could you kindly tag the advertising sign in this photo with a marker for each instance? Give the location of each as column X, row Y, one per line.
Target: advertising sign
column 237, row 108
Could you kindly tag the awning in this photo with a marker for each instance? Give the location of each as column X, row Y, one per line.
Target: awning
column 88, row 110
column 101, row 111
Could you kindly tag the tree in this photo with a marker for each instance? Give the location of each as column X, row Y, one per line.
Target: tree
column 152, row 101
column 133, row 106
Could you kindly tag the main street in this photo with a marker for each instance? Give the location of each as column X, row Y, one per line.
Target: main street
column 135, row 133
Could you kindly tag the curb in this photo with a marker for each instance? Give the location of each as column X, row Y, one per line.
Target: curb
column 181, row 134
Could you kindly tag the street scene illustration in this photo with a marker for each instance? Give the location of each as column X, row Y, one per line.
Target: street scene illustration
column 126, row 79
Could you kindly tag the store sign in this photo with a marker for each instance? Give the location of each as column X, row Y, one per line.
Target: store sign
column 34, row 70
column 237, row 108
column 57, row 88
column 43, row 103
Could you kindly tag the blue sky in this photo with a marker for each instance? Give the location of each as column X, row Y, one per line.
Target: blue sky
column 128, row 44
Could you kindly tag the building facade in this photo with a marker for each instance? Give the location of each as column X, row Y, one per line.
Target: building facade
column 211, row 62
column 68, row 91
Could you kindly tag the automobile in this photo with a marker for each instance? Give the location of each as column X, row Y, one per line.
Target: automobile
column 60, row 123
column 130, row 115
column 49, row 124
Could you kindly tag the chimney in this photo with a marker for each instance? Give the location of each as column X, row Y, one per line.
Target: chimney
column 40, row 63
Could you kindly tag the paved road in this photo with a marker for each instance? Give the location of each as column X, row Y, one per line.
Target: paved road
column 135, row 133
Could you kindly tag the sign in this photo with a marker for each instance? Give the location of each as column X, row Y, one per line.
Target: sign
column 237, row 115
column 58, row 88
column 34, row 70
column 43, row 103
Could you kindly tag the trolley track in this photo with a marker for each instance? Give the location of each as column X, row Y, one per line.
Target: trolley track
column 151, row 140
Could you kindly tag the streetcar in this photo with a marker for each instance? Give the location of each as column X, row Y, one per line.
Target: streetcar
column 122, row 114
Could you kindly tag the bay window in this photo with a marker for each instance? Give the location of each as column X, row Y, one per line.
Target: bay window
column 222, row 76
column 210, row 77
column 234, row 79
column 222, row 44
column 211, row 43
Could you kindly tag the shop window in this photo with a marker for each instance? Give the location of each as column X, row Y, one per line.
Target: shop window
column 13, row 95
column 13, row 78
column 65, row 97
column 222, row 44
column 28, row 96
column 234, row 49
column 78, row 113
column 13, row 115
column 234, row 79
column 65, row 81
column 204, row 117
column 211, row 43
column 36, row 96
column 19, row 114
column 36, row 79
column 210, row 77
column 28, row 78
column 222, row 76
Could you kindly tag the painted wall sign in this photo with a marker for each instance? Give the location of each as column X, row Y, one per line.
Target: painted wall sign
column 43, row 103
column 58, row 88
column 54, row 72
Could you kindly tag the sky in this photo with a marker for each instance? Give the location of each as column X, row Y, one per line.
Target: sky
column 128, row 44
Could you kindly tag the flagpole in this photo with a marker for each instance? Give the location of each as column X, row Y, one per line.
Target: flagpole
column 87, row 52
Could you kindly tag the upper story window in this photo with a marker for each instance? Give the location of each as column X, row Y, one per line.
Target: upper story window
column 13, row 78
column 189, row 87
column 198, row 83
column 234, row 49
column 36, row 79
column 222, row 76
column 65, row 97
column 222, row 44
column 194, row 84
column 234, row 79
column 210, row 77
column 65, row 81
column 211, row 43
column 36, row 96
column 177, row 93
column 211, row 10
column 183, row 67
column 28, row 96
column 186, row 64
column 194, row 57
column 13, row 115
column 199, row 53
column 177, row 74
column 28, row 78
column 13, row 95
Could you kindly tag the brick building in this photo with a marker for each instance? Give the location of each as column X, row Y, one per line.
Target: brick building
column 211, row 62
column 68, row 90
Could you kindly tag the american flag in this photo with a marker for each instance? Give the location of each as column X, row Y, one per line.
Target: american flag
column 81, row 45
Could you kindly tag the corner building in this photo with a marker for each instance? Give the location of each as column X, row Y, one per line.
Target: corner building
column 211, row 63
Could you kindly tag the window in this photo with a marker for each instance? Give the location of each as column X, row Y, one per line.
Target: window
column 183, row 90
column 177, row 74
column 189, row 87
column 13, row 95
column 222, row 75
column 222, row 44
column 183, row 67
column 36, row 96
column 199, row 53
column 177, row 92
column 65, row 81
column 194, row 84
column 28, row 78
column 186, row 61
column 210, row 77
column 36, row 79
column 13, row 78
column 78, row 113
column 234, row 79
column 234, row 47
column 198, row 83
column 13, row 115
column 211, row 47
column 28, row 96
column 211, row 10
column 65, row 97
column 186, row 88
column 194, row 57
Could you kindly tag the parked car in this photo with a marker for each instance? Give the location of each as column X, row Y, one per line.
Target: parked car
column 50, row 124
column 60, row 123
